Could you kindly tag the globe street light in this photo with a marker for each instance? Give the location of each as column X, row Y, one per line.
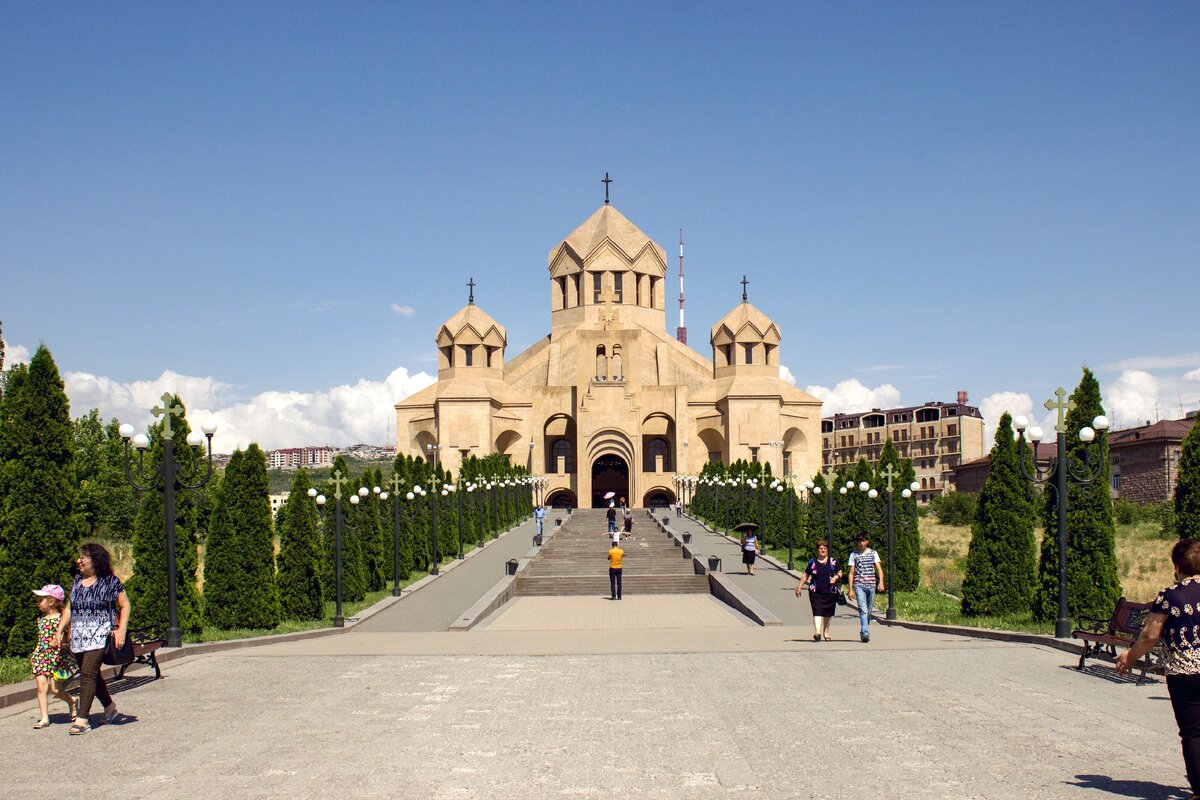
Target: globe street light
column 1061, row 469
column 164, row 478
column 891, row 516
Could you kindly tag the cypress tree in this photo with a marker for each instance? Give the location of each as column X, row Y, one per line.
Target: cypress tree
column 301, row 595
column 1187, row 487
column 239, row 558
column 39, row 527
column 1001, row 560
column 1092, row 583
column 370, row 536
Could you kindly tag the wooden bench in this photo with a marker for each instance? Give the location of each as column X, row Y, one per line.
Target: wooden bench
column 1102, row 637
column 145, row 642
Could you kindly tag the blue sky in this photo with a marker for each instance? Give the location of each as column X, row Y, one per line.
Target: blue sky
column 233, row 200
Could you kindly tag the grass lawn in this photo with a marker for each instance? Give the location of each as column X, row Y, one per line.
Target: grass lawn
column 932, row 605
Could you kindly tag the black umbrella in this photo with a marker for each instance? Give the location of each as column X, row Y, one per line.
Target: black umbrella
column 746, row 527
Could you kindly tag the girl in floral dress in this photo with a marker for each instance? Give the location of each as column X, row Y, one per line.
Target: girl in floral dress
column 49, row 660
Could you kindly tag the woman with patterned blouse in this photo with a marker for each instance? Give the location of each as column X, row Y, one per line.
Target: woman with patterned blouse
column 1174, row 618
column 95, row 595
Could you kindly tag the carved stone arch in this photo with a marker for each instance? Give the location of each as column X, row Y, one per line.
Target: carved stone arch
column 795, row 445
column 507, row 443
column 658, row 497
column 714, row 444
column 422, row 441
column 560, row 444
column 658, row 439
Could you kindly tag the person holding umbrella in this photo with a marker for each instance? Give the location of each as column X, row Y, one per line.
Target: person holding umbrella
column 749, row 532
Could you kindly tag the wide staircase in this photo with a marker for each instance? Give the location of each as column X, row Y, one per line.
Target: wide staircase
column 574, row 562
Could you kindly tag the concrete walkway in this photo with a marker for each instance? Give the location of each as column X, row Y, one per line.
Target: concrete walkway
column 435, row 606
column 775, row 588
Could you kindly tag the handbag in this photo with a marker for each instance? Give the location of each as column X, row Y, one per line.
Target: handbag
column 117, row 656
column 840, row 595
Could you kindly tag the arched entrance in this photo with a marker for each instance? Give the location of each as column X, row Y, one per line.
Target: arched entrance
column 610, row 473
column 562, row 498
column 659, row 497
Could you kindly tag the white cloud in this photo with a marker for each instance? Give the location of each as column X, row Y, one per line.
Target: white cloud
column 15, row 354
column 993, row 407
column 851, row 396
column 1133, row 399
column 1156, row 362
column 785, row 374
column 404, row 311
column 1194, row 375
column 341, row 415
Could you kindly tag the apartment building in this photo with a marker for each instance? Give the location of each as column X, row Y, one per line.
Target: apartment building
column 294, row 457
column 937, row 437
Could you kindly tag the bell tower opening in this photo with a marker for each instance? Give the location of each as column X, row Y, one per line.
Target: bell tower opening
column 610, row 473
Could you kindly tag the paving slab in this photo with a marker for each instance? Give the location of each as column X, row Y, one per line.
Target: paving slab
column 934, row 719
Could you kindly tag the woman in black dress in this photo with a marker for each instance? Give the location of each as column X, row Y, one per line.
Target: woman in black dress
column 821, row 576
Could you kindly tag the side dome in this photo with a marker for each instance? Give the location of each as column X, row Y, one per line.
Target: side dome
column 745, row 341
column 470, row 339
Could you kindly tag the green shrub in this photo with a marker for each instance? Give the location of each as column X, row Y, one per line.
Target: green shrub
column 1127, row 512
column 955, row 508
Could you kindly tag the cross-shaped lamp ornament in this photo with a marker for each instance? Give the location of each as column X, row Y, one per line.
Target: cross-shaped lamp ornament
column 167, row 410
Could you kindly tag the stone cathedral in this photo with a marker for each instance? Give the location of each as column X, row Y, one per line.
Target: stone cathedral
column 609, row 400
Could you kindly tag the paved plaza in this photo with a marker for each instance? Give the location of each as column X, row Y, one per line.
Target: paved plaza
column 642, row 698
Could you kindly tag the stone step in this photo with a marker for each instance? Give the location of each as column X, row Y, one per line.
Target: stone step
column 599, row 585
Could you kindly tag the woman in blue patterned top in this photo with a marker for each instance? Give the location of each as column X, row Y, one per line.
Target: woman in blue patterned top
column 1174, row 619
column 95, row 596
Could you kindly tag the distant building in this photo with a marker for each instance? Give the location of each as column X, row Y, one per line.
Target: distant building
column 277, row 501
column 294, row 457
column 969, row 477
column 1145, row 460
column 368, row 452
column 938, row 437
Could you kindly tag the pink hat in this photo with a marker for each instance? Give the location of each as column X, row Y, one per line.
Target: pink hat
column 51, row 590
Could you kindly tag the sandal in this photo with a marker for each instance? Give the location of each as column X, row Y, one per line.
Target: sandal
column 79, row 728
column 41, row 723
column 111, row 716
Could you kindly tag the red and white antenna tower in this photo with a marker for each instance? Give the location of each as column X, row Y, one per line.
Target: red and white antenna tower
column 681, row 331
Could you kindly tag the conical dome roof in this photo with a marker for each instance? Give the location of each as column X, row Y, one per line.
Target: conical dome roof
column 608, row 225
column 746, row 323
column 473, row 322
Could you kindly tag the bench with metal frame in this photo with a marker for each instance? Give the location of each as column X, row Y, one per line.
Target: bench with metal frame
column 1102, row 637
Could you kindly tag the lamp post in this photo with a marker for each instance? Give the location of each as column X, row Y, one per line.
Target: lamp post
column 457, row 489
column 877, row 519
column 164, row 478
column 779, row 485
column 397, row 485
column 1061, row 469
column 433, row 450
column 338, row 480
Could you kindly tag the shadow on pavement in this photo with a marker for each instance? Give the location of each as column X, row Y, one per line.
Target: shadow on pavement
column 1110, row 674
column 1144, row 790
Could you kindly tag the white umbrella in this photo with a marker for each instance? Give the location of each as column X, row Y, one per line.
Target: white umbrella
column 609, row 495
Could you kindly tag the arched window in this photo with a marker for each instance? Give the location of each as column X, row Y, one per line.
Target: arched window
column 617, row 373
column 654, row 448
column 601, row 363
column 561, row 449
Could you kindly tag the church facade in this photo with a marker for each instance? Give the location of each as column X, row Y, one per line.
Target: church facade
column 609, row 401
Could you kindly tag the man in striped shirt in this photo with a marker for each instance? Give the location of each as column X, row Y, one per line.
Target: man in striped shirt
column 866, row 572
